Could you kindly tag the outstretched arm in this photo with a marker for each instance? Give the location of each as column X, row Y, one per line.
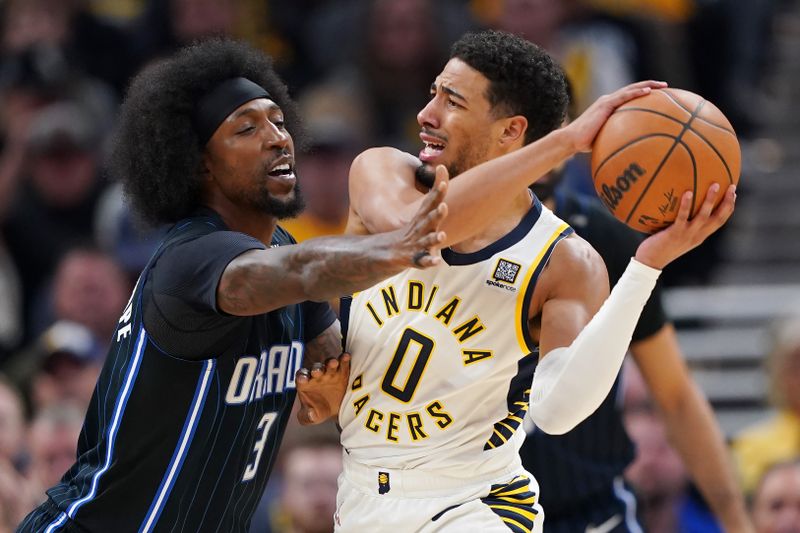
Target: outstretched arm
column 319, row 269
column 383, row 193
column 576, row 372
column 692, row 428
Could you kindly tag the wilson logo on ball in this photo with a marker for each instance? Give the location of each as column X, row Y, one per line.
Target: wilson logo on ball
column 612, row 195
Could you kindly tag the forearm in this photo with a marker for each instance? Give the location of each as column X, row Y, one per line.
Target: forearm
column 696, row 436
column 570, row 383
column 318, row 269
column 481, row 194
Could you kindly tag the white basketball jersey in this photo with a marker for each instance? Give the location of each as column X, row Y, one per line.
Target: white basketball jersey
column 442, row 360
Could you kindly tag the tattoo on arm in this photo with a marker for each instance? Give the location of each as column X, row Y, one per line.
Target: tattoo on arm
column 326, row 345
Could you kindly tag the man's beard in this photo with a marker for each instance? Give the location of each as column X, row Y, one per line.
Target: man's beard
column 426, row 173
column 282, row 209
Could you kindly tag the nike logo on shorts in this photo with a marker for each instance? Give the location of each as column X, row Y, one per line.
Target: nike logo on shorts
column 606, row 526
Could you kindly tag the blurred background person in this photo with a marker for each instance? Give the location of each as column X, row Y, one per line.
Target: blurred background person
column 301, row 493
column 53, row 444
column 336, row 128
column 776, row 501
column 657, row 473
column 777, row 438
column 62, row 366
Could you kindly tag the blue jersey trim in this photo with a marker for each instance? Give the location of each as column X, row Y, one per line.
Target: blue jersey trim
column 119, row 410
column 507, row 241
column 184, row 443
column 526, row 302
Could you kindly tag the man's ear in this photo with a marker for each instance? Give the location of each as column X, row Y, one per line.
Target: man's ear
column 514, row 129
column 205, row 173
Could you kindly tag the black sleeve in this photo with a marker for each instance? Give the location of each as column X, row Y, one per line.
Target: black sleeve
column 191, row 271
column 318, row 317
column 616, row 244
column 180, row 310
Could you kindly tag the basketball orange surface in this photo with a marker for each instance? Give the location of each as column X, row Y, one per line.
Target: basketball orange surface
column 654, row 148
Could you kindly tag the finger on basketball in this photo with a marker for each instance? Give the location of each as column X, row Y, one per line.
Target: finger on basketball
column 685, row 209
column 708, row 204
column 724, row 210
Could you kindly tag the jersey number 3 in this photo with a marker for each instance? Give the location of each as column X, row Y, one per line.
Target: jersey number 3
column 263, row 426
column 424, row 350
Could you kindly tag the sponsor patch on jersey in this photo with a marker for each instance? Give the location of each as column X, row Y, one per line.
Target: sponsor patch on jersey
column 506, row 271
column 505, row 275
column 383, row 482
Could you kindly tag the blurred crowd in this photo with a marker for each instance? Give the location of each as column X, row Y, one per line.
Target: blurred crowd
column 70, row 249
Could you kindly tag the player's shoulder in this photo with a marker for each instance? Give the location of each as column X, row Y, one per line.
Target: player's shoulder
column 574, row 257
column 382, row 157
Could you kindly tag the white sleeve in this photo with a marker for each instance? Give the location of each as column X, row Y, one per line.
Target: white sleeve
column 570, row 383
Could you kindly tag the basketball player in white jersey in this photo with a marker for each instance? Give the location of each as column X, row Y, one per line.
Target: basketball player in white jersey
column 442, row 359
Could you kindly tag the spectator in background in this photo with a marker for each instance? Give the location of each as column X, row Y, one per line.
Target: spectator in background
column 54, row 207
column 92, row 45
column 657, row 473
column 385, row 54
column 90, row 289
column 53, row 442
column 15, row 501
column 335, row 124
column 301, row 494
column 12, row 423
column 61, row 366
column 310, row 470
column 166, row 25
column 778, row 438
column 776, row 502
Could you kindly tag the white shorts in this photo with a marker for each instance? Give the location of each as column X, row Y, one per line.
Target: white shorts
column 405, row 501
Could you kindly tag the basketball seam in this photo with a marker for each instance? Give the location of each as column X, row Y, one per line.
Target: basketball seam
column 679, row 104
column 686, row 127
column 670, row 117
column 696, row 132
column 628, row 144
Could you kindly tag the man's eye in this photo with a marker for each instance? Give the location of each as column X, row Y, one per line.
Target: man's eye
column 247, row 129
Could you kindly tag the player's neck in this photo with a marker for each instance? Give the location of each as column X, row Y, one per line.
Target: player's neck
column 500, row 227
column 256, row 224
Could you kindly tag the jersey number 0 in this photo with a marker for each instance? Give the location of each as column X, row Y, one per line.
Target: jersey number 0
column 425, row 345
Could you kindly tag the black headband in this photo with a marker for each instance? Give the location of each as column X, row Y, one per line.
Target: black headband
column 221, row 101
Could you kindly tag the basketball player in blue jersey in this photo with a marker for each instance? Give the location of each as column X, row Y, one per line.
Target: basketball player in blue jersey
column 190, row 407
column 442, row 372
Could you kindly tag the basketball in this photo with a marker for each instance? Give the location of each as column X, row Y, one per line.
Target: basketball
column 654, row 148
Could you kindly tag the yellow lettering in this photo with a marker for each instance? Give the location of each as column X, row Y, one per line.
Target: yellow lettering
column 356, row 383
